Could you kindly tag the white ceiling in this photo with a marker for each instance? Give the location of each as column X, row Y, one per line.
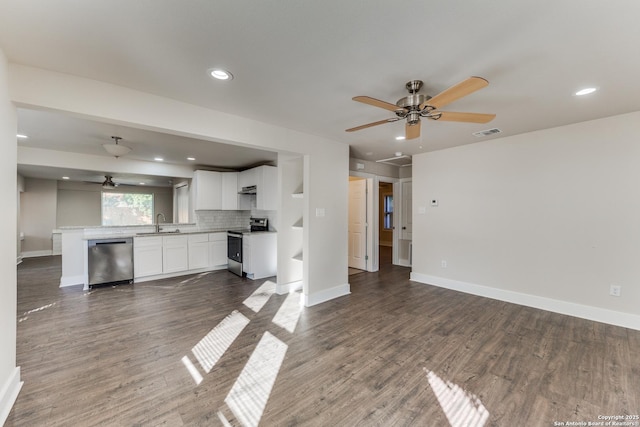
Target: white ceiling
column 297, row 64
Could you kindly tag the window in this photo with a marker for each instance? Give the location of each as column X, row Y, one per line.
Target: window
column 388, row 212
column 127, row 209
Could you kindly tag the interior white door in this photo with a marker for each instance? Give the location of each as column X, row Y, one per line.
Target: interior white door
column 407, row 201
column 358, row 224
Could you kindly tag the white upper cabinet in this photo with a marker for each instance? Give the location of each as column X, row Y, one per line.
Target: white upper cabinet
column 229, row 191
column 265, row 178
column 206, row 190
column 214, row 190
column 247, row 178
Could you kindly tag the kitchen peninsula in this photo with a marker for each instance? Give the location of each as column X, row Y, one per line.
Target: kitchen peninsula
column 177, row 250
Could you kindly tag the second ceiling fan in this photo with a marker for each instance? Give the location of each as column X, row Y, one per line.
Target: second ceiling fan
column 417, row 105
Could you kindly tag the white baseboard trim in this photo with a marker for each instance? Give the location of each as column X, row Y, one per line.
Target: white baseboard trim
column 9, row 393
column 33, row 254
column 71, row 281
column 326, row 295
column 617, row 318
column 404, row 262
column 285, row 288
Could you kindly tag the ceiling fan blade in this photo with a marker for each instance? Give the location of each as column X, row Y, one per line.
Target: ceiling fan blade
column 463, row 88
column 450, row 116
column 368, row 125
column 412, row 131
column 377, row 103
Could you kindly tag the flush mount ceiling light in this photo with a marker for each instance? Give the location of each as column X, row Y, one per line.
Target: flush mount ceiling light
column 400, row 138
column 586, row 91
column 220, row 74
column 116, row 149
column 191, row 158
column 21, row 136
column 158, row 159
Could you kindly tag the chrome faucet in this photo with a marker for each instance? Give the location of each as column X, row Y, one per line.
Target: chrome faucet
column 158, row 221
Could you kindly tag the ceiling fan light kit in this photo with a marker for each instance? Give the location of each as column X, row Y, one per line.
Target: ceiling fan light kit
column 108, row 183
column 417, row 105
column 116, row 149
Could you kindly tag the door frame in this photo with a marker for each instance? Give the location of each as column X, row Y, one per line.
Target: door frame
column 373, row 217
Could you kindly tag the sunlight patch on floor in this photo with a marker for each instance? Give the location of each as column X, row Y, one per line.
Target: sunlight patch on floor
column 211, row 348
column 195, row 374
column 260, row 296
column 289, row 312
column 26, row 314
column 249, row 394
column 461, row 408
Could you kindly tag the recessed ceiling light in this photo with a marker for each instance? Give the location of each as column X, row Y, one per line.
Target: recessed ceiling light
column 21, row 136
column 142, row 183
column 586, row 91
column 158, row 159
column 191, row 158
column 220, row 74
column 400, row 138
column 65, row 177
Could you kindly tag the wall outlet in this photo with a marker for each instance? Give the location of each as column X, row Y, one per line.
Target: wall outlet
column 443, row 263
column 614, row 290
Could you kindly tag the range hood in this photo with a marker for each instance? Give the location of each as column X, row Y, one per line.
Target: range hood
column 248, row 190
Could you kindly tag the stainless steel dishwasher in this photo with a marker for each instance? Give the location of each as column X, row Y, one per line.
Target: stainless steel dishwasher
column 110, row 260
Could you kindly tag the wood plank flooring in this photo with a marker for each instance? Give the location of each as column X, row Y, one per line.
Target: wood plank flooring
column 113, row 356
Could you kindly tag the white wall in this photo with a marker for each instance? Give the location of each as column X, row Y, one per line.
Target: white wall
column 38, row 215
column 326, row 161
column 9, row 372
column 80, row 203
column 548, row 219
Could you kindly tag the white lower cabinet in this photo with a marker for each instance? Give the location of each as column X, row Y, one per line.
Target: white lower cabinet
column 259, row 255
column 198, row 251
column 147, row 256
column 217, row 249
column 175, row 251
column 182, row 253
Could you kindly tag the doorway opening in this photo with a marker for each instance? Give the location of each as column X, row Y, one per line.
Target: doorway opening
column 385, row 223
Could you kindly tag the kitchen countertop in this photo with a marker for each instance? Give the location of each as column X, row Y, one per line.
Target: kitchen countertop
column 150, row 234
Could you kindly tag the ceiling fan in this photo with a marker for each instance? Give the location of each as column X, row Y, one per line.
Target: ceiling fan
column 108, row 183
column 417, row 105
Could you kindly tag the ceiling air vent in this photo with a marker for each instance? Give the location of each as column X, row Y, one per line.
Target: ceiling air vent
column 486, row 132
column 401, row 161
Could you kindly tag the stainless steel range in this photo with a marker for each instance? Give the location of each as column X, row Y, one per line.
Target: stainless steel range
column 234, row 243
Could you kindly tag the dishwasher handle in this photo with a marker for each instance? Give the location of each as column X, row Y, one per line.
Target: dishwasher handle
column 113, row 242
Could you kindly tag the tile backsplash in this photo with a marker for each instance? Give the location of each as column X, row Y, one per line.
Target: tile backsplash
column 216, row 220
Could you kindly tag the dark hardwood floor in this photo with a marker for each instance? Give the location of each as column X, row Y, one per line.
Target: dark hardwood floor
column 392, row 353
